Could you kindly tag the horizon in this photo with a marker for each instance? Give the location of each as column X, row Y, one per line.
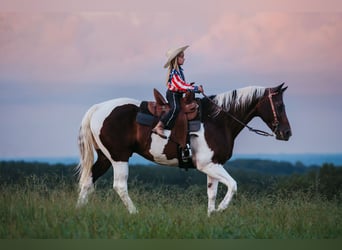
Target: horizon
column 307, row 159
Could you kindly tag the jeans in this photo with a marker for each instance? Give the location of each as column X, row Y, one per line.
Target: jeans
column 169, row 118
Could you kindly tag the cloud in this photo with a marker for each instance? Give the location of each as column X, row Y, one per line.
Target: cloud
column 72, row 47
column 69, row 49
column 291, row 42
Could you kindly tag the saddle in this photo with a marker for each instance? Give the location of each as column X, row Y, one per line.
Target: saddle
column 189, row 111
column 189, row 106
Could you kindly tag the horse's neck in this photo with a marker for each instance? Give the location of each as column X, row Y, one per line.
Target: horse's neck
column 246, row 118
column 244, row 115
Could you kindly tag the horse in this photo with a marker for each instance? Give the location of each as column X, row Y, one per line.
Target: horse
column 110, row 129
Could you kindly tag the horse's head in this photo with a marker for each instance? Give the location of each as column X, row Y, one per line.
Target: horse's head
column 271, row 109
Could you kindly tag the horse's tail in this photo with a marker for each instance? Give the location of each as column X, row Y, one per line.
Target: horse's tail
column 86, row 144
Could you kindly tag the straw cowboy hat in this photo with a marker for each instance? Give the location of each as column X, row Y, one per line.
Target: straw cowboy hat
column 172, row 53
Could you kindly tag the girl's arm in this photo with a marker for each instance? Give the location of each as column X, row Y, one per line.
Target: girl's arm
column 180, row 85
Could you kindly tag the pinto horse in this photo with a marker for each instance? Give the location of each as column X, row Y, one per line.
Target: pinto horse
column 110, row 128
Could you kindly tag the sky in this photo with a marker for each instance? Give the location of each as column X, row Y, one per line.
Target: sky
column 55, row 63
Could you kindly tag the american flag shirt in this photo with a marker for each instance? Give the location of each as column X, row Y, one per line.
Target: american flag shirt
column 177, row 82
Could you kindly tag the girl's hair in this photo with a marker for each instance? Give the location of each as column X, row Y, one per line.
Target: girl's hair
column 173, row 65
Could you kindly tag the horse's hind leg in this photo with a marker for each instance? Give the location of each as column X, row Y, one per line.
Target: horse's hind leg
column 120, row 170
column 101, row 165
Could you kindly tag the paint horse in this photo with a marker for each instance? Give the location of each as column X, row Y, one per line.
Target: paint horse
column 110, row 128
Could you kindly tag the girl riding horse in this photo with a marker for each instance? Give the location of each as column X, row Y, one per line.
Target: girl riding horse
column 176, row 86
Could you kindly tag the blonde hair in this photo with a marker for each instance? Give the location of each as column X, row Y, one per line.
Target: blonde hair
column 173, row 65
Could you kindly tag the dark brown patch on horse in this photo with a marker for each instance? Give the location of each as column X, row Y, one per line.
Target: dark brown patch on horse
column 217, row 132
column 209, row 185
column 144, row 141
column 170, row 150
column 118, row 133
column 221, row 141
column 101, row 165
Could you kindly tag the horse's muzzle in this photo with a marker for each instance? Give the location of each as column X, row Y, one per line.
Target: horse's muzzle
column 284, row 135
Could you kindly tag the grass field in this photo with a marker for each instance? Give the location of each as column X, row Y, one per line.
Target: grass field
column 34, row 210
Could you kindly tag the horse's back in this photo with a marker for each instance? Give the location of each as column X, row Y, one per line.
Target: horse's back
column 105, row 110
column 110, row 105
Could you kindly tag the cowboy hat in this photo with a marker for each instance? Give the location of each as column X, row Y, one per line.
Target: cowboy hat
column 172, row 53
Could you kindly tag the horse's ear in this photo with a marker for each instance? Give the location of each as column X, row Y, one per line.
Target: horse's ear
column 279, row 88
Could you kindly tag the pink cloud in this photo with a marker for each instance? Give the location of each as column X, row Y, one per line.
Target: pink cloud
column 264, row 41
column 94, row 47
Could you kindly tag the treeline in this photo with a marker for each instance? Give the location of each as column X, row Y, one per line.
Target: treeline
column 253, row 176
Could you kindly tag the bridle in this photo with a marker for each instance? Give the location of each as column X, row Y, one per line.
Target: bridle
column 275, row 122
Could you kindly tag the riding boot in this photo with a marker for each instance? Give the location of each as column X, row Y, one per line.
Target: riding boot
column 159, row 130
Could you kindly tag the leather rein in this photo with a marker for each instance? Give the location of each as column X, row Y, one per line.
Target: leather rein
column 275, row 122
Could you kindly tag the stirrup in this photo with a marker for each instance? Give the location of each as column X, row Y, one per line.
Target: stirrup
column 186, row 153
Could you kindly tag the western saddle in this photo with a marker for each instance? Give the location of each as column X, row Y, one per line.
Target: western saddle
column 189, row 111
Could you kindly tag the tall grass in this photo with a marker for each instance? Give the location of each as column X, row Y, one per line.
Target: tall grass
column 37, row 210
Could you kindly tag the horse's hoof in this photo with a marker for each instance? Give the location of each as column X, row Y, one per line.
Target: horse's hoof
column 133, row 211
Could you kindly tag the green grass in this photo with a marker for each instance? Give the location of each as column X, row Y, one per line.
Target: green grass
column 35, row 210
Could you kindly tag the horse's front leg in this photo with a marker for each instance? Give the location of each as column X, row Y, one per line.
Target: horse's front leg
column 203, row 155
column 232, row 189
column 217, row 172
column 212, row 185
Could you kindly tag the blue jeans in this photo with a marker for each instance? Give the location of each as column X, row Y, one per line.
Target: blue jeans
column 169, row 118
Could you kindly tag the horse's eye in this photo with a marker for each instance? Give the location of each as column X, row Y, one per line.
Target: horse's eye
column 280, row 107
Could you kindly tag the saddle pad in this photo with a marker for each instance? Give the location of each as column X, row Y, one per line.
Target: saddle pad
column 194, row 126
column 145, row 119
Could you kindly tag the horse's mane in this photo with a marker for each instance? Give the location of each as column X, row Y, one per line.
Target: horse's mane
column 239, row 98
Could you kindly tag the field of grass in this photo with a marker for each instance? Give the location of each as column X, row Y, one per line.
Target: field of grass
column 35, row 210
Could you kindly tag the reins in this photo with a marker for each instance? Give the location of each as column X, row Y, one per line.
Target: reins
column 257, row 131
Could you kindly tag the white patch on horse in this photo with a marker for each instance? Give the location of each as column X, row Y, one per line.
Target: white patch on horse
column 157, row 147
column 202, row 154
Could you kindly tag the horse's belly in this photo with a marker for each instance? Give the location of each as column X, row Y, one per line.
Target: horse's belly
column 158, row 151
column 161, row 159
